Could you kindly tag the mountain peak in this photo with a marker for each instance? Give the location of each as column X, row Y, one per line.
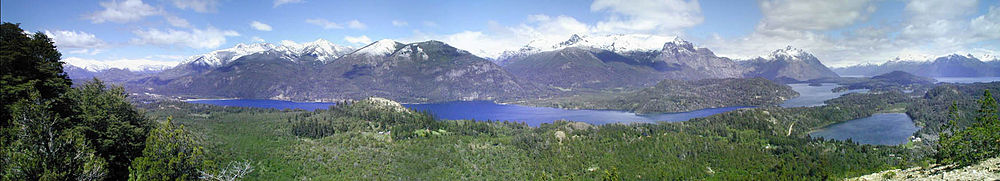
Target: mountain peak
column 321, row 49
column 790, row 53
column 678, row 43
column 574, row 39
column 382, row 47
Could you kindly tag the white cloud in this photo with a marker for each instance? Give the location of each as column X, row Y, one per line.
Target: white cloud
column 659, row 16
column 257, row 25
column 257, row 39
column 931, row 28
column 74, row 39
column 360, row 40
column 813, row 14
column 131, row 64
column 281, row 2
column 289, row 43
column 201, row 6
column 355, row 24
column 988, row 25
column 498, row 38
column 399, row 23
column 177, row 21
column 324, row 23
column 123, row 11
column 196, row 38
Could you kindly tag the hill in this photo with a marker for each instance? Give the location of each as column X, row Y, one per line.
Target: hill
column 678, row 96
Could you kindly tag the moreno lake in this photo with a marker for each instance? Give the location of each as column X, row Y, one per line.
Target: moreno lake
column 487, row 110
column 878, row 129
column 811, row 96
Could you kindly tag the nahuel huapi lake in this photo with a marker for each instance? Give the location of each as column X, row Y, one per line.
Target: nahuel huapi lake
column 882, row 129
column 487, row 110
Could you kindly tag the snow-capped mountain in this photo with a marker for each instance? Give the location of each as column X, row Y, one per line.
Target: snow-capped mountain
column 319, row 50
column 379, row 48
column 618, row 43
column 788, row 64
column 135, row 65
column 953, row 65
column 788, row 53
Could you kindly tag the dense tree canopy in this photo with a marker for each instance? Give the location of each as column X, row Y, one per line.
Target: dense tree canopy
column 57, row 132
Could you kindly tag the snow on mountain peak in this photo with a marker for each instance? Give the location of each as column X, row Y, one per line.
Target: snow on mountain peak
column 620, row 43
column 617, row 42
column 789, row 53
column 322, row 49
column 382, row 47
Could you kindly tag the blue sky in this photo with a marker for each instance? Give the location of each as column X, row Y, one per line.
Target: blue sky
column 838, row 32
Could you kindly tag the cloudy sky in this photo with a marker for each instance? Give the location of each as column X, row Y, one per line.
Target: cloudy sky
column 840, row 32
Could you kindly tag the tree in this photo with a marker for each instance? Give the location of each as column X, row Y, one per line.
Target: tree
column 28, row 62
column 114, row 127
column 977, row 142
column 55, row 131
column 44, row 149
column 171, row 153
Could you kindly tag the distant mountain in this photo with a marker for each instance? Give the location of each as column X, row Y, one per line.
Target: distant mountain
column 319, row 50
column 418, row 72
column 610, row 62
column 617, row 43
column 788, row 64
column 424, row 71
column 112, row 75
column 947, row 66
column 904, row 78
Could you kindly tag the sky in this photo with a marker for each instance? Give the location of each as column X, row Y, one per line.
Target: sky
column 839, row 33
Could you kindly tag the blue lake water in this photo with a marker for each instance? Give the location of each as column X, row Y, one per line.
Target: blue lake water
column 486, row 110
column 878, row 129
column 810, row 96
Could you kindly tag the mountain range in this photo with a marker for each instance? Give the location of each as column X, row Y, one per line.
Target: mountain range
column 433, row 71
column 953, row 65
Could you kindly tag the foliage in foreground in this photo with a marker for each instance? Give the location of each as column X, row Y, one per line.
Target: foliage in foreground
column 975, row 143
column 51, row 131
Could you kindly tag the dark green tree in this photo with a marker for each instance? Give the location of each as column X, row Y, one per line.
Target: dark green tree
column 975, row 143
column 44, row 149
column 114, row 127
column 171, row 153
column 91, row 124
column 28, row 62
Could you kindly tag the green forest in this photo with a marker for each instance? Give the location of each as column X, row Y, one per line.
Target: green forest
column 55, row 130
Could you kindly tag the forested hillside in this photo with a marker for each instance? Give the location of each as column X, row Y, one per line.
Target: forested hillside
column 678, row 96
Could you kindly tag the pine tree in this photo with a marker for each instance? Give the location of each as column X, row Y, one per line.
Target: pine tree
column 171, row 153
column 978, row 142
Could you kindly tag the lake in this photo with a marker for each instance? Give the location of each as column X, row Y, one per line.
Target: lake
column 810, row 96
column 487, row 110
column 878, row 129
column 534, row 116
